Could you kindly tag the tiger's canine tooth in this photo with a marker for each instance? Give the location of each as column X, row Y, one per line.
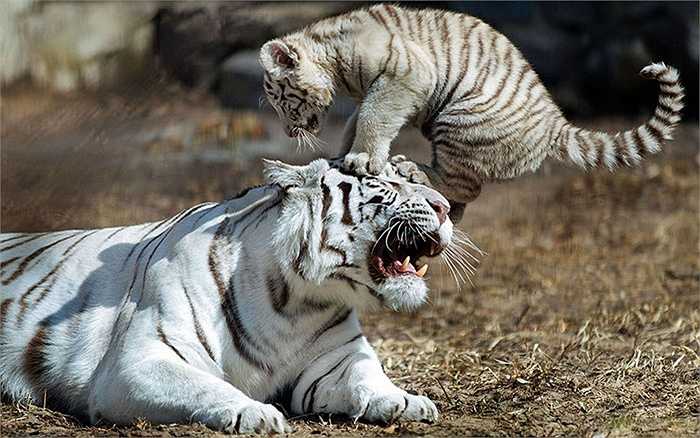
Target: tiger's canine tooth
column 421, row 272
column 406, row 262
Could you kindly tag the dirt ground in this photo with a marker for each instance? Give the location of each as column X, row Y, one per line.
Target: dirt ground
column 583, row 319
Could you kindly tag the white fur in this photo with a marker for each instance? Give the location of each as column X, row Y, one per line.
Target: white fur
column 131, row 324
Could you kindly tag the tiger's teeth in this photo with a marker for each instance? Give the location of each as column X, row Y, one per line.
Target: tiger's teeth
column 406, row 262
column 421, row 272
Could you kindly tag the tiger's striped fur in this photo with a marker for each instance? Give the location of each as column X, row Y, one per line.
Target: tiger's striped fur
column 465, row 85
column 221, row 309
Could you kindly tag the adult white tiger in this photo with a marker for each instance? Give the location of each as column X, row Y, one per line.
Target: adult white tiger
column 211, row 314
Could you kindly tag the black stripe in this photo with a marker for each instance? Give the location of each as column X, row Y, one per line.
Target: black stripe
column 133, row 248
column 448, row 55
column 229, row 306
column 174, row 220
column 658, row 136
column 4, row 307
column 392, row 13
column 661, row 117
column 386, row 63
column 34, row 237
column 9, row 261
column 666, row 82
column 311, row 389
column 346, row 187
column 113, row 234
column 621, row 151
column 360, row 75
column 279, row 293
column 641, row 147
column 340, row 251
column 303, row 250
column 338, row 318
column 664, row 107
column 456, row 84
column 64, row 257
column 197, row 327
column 164, row 339
column 350, row 282
column 262, row 215
column 203, row 214
column 9, row 239
column 668, row 95
column 326, row 199
column 22, row 266
column 165, row 235
column 36, row 367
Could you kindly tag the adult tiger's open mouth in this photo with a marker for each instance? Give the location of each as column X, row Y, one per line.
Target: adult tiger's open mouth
column 393, row 256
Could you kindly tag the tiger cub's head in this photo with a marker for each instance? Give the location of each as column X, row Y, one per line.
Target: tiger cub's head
column 296, row 87
column 358, row 239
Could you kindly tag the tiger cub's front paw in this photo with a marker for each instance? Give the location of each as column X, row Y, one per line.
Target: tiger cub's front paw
column 392, row 407
column 362, row 163
column 410, row 171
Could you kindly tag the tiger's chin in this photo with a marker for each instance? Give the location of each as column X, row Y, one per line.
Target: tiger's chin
column 403, row 293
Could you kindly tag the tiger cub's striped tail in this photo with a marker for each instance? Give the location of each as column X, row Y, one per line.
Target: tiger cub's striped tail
column 592, row 148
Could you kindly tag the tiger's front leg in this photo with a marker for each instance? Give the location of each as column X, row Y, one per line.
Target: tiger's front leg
column 153, row 382
column 384, row 111
column 350, row 381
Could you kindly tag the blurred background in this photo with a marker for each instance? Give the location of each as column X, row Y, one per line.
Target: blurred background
column 583, row 320
column 117, row 112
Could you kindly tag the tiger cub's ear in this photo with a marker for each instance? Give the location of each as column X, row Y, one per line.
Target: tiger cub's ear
column 287, row 175
column 278, row 59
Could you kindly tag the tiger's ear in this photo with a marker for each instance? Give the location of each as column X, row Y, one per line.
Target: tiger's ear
column 287, row 175
column 278, row 59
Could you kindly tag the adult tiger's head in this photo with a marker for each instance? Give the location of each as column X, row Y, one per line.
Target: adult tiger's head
column 296, row 87
column 362, row 239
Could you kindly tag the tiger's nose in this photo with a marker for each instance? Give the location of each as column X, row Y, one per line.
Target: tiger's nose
column 440, row 209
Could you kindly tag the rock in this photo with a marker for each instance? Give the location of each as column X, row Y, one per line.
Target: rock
column 195, row 38
column 13, row 44
column 66, row 46
column 241, row 81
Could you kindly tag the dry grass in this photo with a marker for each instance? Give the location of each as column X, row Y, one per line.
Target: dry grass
column 584, row 319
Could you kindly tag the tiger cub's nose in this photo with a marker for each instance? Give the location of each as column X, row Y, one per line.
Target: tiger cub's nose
column 440, row 209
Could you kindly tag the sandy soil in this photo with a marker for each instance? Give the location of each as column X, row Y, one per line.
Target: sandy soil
column 584, row 318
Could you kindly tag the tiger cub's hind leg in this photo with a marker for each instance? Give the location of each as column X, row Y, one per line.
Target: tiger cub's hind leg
column 460, row 190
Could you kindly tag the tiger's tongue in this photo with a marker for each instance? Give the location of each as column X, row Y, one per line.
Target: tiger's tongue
column 399, row 267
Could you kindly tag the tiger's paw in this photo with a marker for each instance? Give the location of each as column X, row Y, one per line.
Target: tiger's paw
column 258, row 418
column 362, row 163
column 393, row 407
column 410, row 170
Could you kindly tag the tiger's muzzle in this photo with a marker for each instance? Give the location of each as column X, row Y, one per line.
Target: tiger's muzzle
column 399, row 250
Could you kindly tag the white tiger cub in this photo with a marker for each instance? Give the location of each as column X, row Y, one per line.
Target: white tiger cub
column 212, row 314
column 466, row 86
